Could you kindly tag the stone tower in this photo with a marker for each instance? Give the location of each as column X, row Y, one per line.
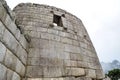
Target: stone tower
column 41, row 42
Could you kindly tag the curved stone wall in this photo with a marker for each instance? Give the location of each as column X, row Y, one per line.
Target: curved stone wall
column 60, row 47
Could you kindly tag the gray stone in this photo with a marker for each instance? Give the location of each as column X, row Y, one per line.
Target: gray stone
column 75, row 71
column 2, row 29
column 16, row 76
column 52, row 71
column 90, row 73
column 10, row 60
column 3, row 73
column 2, row 52
column 20, row 68
column 9, row 74
column 34, row 71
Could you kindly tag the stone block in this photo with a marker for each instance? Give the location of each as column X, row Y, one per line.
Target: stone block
column 41, row 29
column 34, row 52
column 3, row 71
column 18, row 34
column 10, row 41
column 45, row 36
column 67, row 63
column 35, row 79
column 75, row 56
column 73, row 63
column 3, row 13
column 90, row 73
column 22, row 54
column 99, row 74
column 53, row 78
column 82, row 64
column 35, row 43
column 34, row 34
column 72, row 49
column 75, row 71
column 34, row 71
column 52, row 31
column 2, row 52
column 76, row 43
column 34, row 61
column 52, row 71
column 55, row 62
column 20, row 68
column 64, row 55
column 10, row 60
column 9, row 74
column 44, row 44
column 66, row 40
column 16, row 76
column 2, row 29
column 54, row 37
column 23, row 41
column 10, row 24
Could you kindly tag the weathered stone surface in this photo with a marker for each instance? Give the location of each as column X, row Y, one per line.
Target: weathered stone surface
column 34, row 71
column 9, row 74
column 2, row 29
column 2, row 52
column 10, row 60
column 75, row 71
column 90, row 73
column 3, row 13
column 22, row 54
column 20, row 68
column 3, row 72
column 52, row 71
column 16, row 76
column 99, row 74
column 45, row 43
column 9, row 40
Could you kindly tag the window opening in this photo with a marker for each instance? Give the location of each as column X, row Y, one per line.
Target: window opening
column 57, row 20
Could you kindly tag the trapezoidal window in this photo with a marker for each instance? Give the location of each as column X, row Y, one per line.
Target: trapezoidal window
column 57, row 21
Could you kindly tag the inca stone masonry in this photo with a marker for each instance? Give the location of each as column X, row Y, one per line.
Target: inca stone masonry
column 41, row 42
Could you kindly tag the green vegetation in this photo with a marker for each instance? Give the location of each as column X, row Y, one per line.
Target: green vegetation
column 114, row 74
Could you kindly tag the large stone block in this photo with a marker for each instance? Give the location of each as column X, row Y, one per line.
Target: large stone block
column 16, row 76
column 20, row 68
column 2, row 52
column 23, row 42
column 22, row 54
column 9, row 74
column 34, row 71
column 10, row 24
column 90, row 73
column 75, row 71
column 3, row 13
column 34, row 52
column 10, row 60
column 52, row 71
column 35, row 43
column 76, row 57
column 10, row 41
column 2, row 29
column 35, row 79
column 3, row 71
column 34, row 61
column 99, row 74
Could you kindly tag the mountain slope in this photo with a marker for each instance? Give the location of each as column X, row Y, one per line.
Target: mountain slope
column 109, row 66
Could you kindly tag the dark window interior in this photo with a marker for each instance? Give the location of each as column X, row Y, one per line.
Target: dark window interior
column 57, row 20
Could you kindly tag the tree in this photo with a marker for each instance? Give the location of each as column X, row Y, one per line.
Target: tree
column 114, row 74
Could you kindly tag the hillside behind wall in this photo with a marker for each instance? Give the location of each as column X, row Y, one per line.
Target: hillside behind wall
column 13, row 46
